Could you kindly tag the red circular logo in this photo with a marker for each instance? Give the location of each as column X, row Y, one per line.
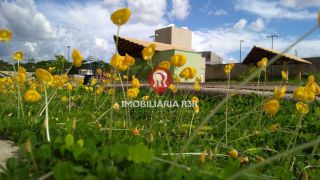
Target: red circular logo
column 159, row 79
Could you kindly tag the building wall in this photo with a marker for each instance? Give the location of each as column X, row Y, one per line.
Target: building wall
column 215, row 72
column 175, row 36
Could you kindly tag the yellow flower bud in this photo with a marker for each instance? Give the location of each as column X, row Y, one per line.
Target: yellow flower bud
column 178, row 60
column 228, row 68
column 77, row 58
column 233, row 153
column 135, row 132
column 302, row 107
column 278, row 94
column 121, row 16
column 148, row 52
column 188, row 73
column 69, row 86
column 263, row 63
column 165, row 65
column 43, row 76
column 5, row 35
column 135, row 83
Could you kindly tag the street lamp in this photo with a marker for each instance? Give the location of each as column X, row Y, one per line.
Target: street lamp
column 272, row 36
column 68, row 52
column 241, row 41
column 153, row 37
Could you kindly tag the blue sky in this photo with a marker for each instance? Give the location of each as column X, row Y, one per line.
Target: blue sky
column 43, row 28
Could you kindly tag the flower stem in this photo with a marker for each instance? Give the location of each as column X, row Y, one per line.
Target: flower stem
column 226, row 124
column 46, row 121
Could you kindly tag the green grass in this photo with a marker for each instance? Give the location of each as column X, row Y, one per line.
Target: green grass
column 106, row 149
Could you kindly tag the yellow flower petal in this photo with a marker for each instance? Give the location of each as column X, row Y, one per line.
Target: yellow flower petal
column 43, row 75
column 271, row 107
column 165, row 65
column 31, row 96
column 77, row 58
column 302, row 107
column 178, row 60
column 18, row 56
column 121, row 16
column 5, row 35
column 148, row 52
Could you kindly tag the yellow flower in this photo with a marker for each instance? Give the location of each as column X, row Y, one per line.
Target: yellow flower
column 178, row 60
column 132, row 93
column 116, row 106
column 116, row 61
column 196, row 108
column 51, row 69
column 271, row 107
column 93, row 82
column 128, row 60
column 198, row 79
column 312, row 85
column 227, row 68
column 278, row 94
column 135, row 132
column 263, row 63
column 111, row 91
column 69, row 86
column 135, row 83
column 99, row 71
column 121, row 16
column 148, row 52
column 303, row 94
column 274, row 128
column 31, row 96
column 77, row 58
column 65, row 78
column 195, row 99
column 123, row 66
column 302, row 107
column 165, row 65
column 145, row 98
column 43, row 76
column 176, row 79
column 18, row 56
column 64, row 98
column 5, row 35
column 284, row 75
column 125, row 77
column 233, row 153
column 172, row 88
column 197, row 86
column 21, row 77
column 21, row 70
column 57, row 81
column 188, row 73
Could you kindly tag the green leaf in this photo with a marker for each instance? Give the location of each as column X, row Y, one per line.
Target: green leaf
column 80, row 142
column 63, row 170
column 69, row 141
column 140, row 153
column 119, row 151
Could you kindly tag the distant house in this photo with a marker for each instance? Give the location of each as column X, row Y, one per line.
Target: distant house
column 169, row 41
column 211, row 57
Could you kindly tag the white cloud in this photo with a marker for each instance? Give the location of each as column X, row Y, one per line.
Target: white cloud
column 24, row 19
column 240, row 24
column 180, row 9
column 148, row 11
column 258, row 25
column 225, row 42
column 300, row 3
column 31, row 48
column 272, row 10
column 221, row 12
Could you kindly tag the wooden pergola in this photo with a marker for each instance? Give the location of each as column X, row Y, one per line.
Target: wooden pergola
column 257, row 53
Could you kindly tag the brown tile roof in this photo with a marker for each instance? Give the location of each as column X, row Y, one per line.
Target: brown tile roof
column 134, row 46
column 257, row 53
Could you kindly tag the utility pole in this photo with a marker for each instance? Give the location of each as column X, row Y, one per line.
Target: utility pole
column 272, row 36
column 153, row 37
column 240, row 59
